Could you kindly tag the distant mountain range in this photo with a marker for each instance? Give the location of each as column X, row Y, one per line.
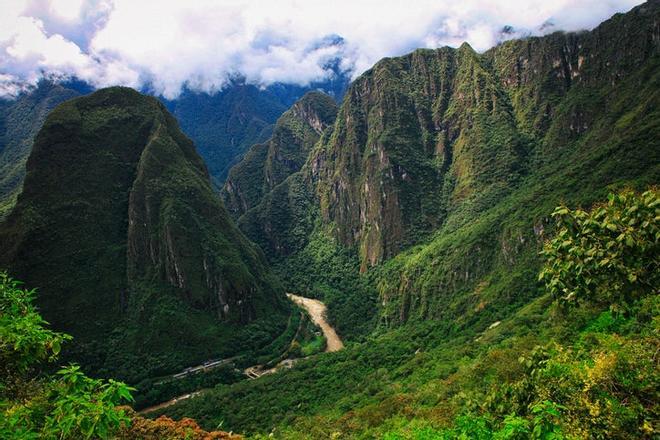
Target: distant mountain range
column 448, row 146
column 223, row 125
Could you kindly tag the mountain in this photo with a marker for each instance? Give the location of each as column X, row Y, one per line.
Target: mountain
column 267, row 165
column 133, row 252
column 225, row 124
column 418, row 137
column 419, row 216
column 271, row 193
column 585, row 107
column 484, row 229
column 20, row 120
column 444, row 146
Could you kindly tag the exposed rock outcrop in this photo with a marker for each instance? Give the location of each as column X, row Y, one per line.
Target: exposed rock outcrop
column 267, row 165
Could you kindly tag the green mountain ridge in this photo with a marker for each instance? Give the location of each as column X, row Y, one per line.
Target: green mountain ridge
column 418, row 218
column 267, row 165
column 443, row 148
column 436, row 212
column 156, row 258
column 223, row 123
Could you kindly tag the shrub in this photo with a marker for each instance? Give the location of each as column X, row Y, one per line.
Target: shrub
column 610, row 254
column 68, row 405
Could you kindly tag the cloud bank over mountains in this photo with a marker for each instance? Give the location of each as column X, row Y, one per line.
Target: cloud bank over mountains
column 166, row 45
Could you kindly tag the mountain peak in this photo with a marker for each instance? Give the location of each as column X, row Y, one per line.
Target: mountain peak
column 465, row 47
column 267, row 165
column 317, row 109
column 118, row 223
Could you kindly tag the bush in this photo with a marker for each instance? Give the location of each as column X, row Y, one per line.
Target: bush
column 68, row 405
column 610, row 254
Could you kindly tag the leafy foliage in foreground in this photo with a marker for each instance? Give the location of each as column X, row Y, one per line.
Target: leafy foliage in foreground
column 609, row 254
column 603, row 384
column 23, row 335
column 68, row 405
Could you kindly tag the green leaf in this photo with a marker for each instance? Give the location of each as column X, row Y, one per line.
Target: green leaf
column 56, row 346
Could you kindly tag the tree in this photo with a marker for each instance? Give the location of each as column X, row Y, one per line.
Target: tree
column 609, row 255
column 24, row 338
column 68, row 405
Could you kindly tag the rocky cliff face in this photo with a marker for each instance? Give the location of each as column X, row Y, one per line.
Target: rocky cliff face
column 267, row 165
column 442, row 165
column 538, row 72
column 586, row 109
column 448, row 131
column 120, row 229
column 415, row 137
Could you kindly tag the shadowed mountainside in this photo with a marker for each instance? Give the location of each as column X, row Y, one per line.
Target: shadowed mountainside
column 133, row 251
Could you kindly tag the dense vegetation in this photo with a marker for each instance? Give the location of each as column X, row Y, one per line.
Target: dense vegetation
column 223, row 124
column 158, row 278
column 20, row 120
column 271, row 200
column 443, row 166
column 300, row 339
column 269, row 164
column 453, row 214
column 327, row 271
column 226, row 123
column 36, row 405
column 419, row 218
column 67, row 405
column 551, row 370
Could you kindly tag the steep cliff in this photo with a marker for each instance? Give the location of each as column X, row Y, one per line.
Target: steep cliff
column 270, row 191
column 539, row 72
column 269, row 164
column 437, row 180
column 134, row 253
column 443, row 165
column 586, row 106
column 416, row 137
column 447, row 131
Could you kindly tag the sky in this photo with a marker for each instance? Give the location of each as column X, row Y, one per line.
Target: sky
column 167, row 45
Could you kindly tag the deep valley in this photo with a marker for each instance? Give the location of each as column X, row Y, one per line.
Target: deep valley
column 451, row 244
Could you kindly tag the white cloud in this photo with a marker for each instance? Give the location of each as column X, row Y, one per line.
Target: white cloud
column 66, row 9
column 169, row 44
